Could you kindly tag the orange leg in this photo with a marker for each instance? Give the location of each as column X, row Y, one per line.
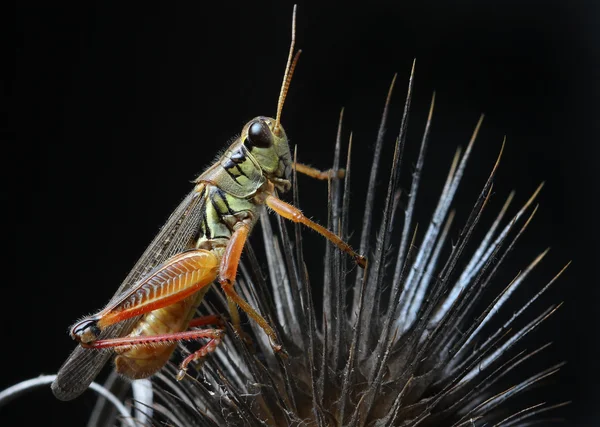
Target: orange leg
column 318, row 174
column 294, row 214
column 227, row 273
column 176, row 279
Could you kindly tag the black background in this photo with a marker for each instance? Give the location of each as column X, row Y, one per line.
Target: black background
column 119, row 107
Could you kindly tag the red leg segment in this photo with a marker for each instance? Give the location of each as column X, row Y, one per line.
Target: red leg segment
column 197, row 355
column 162, row 338
column 213, row 319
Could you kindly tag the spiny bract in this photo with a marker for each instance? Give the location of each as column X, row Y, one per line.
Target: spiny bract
column 408, row 342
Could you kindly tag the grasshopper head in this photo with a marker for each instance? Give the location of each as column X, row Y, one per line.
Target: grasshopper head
column 268, row 144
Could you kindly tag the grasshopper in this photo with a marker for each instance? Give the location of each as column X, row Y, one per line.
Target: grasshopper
column 201, row 242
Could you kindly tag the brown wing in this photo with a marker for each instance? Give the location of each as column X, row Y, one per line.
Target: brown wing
column 83, row 365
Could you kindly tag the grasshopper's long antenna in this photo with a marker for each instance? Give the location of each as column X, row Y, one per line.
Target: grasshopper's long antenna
column 287, row 76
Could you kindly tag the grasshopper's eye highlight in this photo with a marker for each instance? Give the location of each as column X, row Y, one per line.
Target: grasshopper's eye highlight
column 259, row 135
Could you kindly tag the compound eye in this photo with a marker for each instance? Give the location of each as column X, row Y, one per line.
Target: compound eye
column 259, row 135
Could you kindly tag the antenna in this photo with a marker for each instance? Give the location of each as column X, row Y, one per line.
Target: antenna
column 287, row 75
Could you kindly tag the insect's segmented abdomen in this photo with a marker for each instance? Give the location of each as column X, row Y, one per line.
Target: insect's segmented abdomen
column 143, row 361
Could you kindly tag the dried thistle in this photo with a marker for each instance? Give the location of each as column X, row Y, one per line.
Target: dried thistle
column 415, row 340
